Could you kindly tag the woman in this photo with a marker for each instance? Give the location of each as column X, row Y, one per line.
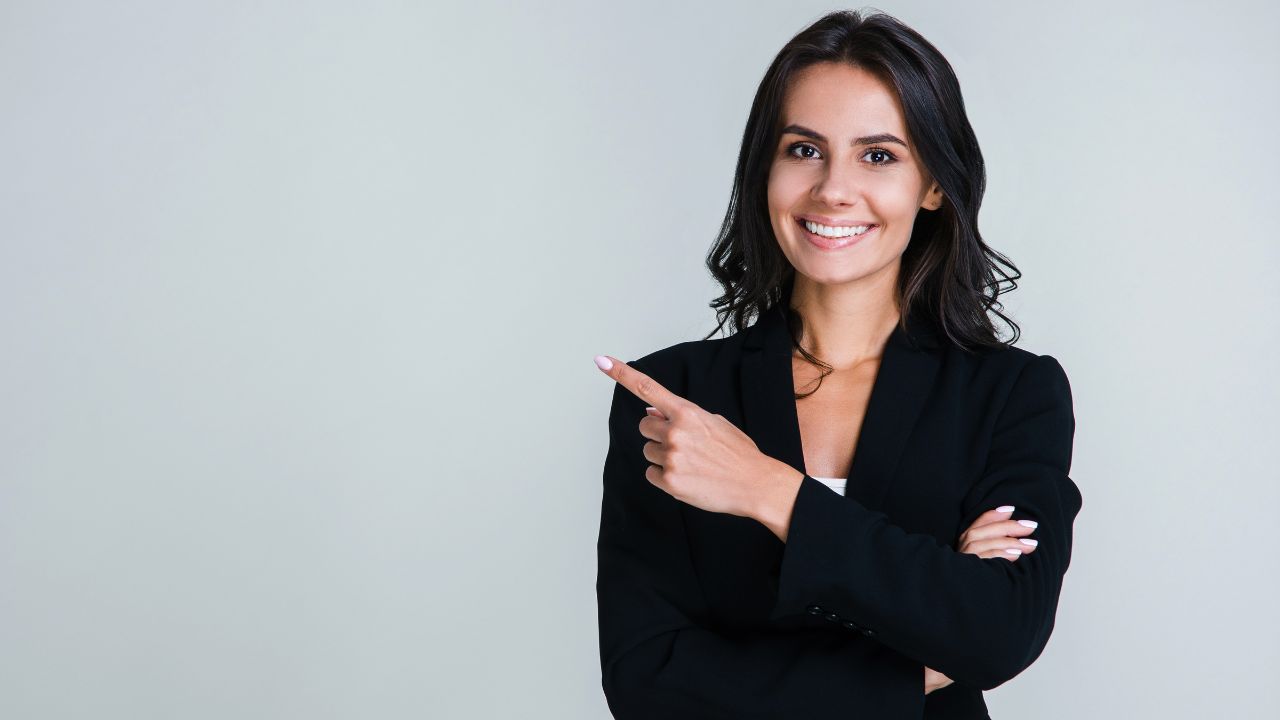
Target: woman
column 739, row 576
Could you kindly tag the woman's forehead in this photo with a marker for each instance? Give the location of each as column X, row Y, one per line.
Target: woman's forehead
column 841, row 100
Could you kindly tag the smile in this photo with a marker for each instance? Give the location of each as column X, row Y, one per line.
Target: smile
column 833, row 238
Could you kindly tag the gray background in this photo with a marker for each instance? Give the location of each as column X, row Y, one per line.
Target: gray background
column 298, row 302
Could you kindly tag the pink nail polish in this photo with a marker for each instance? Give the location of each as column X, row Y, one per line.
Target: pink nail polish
column 603, row 363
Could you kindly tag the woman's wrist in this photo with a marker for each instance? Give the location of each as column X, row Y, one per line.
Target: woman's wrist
column 778, row 498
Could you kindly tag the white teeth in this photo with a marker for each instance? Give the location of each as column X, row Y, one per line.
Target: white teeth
column 826, row 231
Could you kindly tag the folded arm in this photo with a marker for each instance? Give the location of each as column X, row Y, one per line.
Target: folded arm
column 660, row 656
column 978, row 621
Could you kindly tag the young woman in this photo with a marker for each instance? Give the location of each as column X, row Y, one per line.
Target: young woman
column 859, row 505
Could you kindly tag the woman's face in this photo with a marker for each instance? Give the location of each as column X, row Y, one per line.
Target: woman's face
column 842, row 161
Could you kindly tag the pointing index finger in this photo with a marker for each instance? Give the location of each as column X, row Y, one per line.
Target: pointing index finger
column 643, row 386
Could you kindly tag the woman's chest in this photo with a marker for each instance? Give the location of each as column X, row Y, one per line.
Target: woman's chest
column 919, row 484
column 830, row 410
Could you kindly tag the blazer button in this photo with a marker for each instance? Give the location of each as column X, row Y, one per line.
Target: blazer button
column 815, row 610
column 851, row 625
column 868, row 632
column 833, row 617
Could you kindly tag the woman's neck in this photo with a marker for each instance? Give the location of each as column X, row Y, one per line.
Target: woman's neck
column 844, row 329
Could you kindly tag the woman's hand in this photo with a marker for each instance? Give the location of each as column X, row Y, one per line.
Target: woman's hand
column 697, row 457
column 991, row 535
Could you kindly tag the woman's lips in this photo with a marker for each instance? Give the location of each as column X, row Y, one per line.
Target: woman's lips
column 828, row 243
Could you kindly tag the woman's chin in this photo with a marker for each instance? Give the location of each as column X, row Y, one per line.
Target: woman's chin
column 829, row 278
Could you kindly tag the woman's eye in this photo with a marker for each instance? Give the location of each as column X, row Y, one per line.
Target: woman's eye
column 885, row 153
column 885, row 157
column 799, row 146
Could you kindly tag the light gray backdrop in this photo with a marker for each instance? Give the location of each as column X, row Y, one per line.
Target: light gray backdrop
column 298, row 301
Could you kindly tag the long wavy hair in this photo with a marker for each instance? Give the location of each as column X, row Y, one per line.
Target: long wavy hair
column 949, row 278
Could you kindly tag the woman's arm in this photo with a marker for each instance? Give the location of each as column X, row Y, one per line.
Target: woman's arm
column 979, row 621
column 658, row 656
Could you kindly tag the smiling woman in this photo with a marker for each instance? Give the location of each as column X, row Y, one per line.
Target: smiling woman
column 874, row 179
column 773, row 546
column 859, row 123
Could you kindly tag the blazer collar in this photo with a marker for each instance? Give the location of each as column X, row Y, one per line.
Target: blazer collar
column 903, row 381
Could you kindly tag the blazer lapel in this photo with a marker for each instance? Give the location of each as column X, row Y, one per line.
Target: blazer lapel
column 767, row 387
column 903, row 382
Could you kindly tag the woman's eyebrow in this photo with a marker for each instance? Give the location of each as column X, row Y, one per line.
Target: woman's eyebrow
column 867, row 140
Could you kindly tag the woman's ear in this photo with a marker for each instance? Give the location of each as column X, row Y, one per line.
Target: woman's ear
column 933, row 199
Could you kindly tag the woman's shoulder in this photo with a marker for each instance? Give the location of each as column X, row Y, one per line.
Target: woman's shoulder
column 1001, row 360
column 996, row 374
column 673, row 366
column 712, row 368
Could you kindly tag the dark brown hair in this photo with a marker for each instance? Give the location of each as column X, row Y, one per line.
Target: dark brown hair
column 949, row 278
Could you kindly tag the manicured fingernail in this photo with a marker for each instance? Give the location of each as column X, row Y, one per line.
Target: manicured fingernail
column 603, row 363
column 1029, row 541
column 1029, row 523
column 1013, row 551
column 1005, row 508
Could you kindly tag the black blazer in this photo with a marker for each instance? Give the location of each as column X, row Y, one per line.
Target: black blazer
column 710, row 615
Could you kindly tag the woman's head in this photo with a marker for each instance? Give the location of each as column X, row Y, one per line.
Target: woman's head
column 845, row 163
column 822, row 141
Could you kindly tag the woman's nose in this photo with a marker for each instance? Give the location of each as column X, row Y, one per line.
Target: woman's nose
column 838, row 186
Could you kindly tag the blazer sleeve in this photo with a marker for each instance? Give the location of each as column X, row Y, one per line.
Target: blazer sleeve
column 980, row 621
column 659, row 655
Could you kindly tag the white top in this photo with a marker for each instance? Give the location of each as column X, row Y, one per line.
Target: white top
column 836, row 484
